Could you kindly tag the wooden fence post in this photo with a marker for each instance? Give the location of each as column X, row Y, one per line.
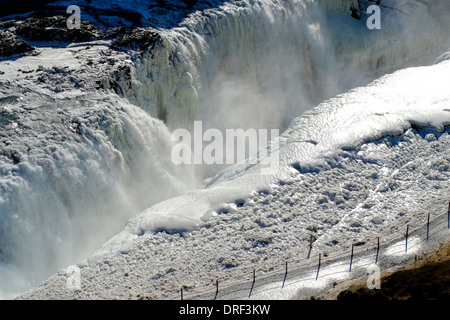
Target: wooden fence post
column 253, row 283
column 318, row 267
column 428, row 227
column 310, row 246
column 378, row 250
column 351, row 258
column 217, row 289
column 285, row 275
column 406, row 236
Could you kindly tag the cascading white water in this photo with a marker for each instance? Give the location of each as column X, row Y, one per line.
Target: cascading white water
column 78, row 173
column 258, row 57
column 75, row 174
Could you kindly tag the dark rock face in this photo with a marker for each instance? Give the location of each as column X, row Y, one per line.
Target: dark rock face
column 55, row 28
column 135, row 39
column 10, row 45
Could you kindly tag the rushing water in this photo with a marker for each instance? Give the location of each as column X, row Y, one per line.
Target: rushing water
column 73, row 170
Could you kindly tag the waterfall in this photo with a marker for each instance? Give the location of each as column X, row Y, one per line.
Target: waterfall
column 259, row 64
column 78, row 172
column 74, row 171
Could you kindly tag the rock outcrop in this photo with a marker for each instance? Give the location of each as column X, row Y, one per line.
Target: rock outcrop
column 11, row 46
